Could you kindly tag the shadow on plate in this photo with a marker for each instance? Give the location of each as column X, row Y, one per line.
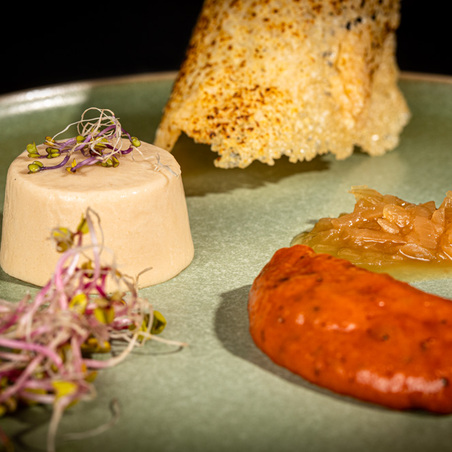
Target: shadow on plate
column 232, row 316
column 201, row 177
column 34, row 424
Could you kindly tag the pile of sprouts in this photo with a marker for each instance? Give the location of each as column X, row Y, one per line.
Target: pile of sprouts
column 99, row 141
column 49, row 343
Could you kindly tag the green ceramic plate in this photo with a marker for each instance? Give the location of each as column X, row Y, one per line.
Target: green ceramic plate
column 221, row 393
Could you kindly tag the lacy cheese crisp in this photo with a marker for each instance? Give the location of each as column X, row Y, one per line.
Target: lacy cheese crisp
column 265, row 79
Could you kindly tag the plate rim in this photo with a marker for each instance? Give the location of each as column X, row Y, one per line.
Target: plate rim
column 26, row 95
column 61, row 88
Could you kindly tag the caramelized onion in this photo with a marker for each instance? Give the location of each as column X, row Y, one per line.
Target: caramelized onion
column 383, row 230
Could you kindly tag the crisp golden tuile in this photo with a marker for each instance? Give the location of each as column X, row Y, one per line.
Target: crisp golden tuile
column 267, row 78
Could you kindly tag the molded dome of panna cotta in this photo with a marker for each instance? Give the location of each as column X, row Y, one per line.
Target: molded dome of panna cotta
column 141, row 205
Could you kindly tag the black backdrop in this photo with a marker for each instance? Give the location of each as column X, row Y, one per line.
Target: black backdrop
column 44, row 45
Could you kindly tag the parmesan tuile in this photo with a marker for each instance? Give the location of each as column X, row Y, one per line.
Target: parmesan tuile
column 266, row 79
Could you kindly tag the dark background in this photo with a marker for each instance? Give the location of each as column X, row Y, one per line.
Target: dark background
column 44, row 45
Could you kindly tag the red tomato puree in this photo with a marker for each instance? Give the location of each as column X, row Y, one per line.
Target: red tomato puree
column 353, row 331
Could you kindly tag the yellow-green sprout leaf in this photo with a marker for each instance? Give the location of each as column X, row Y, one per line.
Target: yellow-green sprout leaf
column 91, row 376
column 78, row 303
column 158, row 323
column 35, row 167
column 135, row 142
column 32, row 150
column 104, row 315
column 92, row 345
column 64, row 239
column 73, row 165
column 83, row 226
column 117, row 296
column 63, row 388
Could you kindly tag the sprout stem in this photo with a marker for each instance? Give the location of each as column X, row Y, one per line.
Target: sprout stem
column 47, row 342
column 95, row 136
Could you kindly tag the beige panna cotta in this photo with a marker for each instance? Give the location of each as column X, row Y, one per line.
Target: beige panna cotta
column 140, row 203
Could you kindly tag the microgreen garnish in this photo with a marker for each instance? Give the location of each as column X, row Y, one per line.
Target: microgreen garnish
column 99, row 141
column 48, row 343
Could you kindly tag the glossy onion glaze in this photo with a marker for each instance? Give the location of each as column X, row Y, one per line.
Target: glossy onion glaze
column 355, row 332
